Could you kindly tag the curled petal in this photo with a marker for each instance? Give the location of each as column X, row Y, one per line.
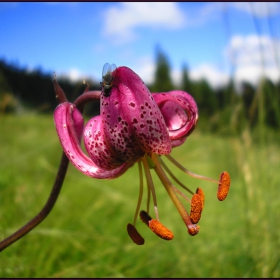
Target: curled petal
column 133, row 124
column 180, row 114
column 78, row 123
column 178, row 142
column 65, row 118
column 96, row 145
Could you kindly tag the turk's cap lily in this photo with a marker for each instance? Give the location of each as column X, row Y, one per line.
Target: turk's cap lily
column 135, row 126
column 132, row 122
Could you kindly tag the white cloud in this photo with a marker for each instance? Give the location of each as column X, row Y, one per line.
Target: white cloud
column 254, row 56
column 122, row 20
column 145, row 69
column 259, row 9
column 73, row 74
column 176, row 76
column 215, row 10
column 211, row 73
column 210, row 11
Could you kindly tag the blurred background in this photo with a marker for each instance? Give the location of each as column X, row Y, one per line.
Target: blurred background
column 226, row 55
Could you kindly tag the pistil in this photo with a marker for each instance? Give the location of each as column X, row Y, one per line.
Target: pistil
column 192, row 229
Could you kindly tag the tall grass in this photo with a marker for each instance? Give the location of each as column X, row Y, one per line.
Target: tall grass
column 85, row 234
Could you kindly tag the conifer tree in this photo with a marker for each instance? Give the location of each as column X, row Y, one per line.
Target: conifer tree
column 163, row 81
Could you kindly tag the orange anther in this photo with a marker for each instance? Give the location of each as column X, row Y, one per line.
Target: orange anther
column 135, row 235
column 160, row 230
column 196, row 208
column 201, row 193
column 193, row 229
column 224, row 185
column 145, row 217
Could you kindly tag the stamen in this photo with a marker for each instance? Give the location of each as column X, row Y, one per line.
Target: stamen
column 145, row 217
column 201, row 193
column 150, row 183
column 196, row 208
column 189, row 172
column 174, row 177
column 140, row 192
column 156, row 226
column 170, row 190
column 135, row 235
column 160, row 230
column 224, row 185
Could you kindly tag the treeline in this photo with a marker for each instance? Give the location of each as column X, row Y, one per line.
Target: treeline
column 224, row 106
column 21, row 89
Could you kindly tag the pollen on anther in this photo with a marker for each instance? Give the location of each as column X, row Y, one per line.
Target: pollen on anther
column 135, row 235
column 160, row 230
column 224, row 185
column 196, row 208
column 201, row 193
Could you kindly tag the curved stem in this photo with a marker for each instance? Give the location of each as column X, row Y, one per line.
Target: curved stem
column 46, row 209
column 61, row 97
column 87, row 96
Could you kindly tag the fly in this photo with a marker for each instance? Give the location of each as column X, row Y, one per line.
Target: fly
column 107, row 78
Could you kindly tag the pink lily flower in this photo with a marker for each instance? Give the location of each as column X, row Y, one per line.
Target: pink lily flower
column 135, row 126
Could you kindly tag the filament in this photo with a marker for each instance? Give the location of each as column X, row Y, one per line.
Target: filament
column 189, row 172
column 150, row 184
column 148, row 199
column 140, row 192
column 174, row 177
column 181, row 194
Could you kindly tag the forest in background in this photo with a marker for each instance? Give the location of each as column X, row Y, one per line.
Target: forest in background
column 221, row 110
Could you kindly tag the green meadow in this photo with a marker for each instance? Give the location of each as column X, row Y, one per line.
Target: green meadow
column 85, row 234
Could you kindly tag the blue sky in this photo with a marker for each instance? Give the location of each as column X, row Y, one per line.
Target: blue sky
column 215, row 40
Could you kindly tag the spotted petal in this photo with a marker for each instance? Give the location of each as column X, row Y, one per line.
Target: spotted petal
column 96, row 145
column 133, row 124
column 68, row 122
